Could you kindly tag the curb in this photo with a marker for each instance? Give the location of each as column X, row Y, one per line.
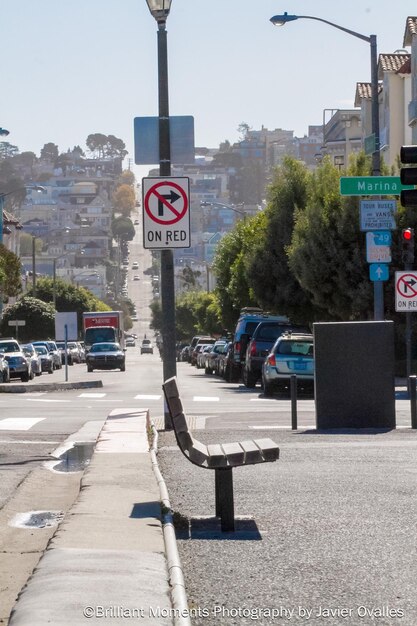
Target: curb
column 175, row 573
column 49, row 386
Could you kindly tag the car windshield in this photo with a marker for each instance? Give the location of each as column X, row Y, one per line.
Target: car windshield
column 296, row 348
column 9, row 347
column 105, row 347
column 41, row 350
column 146, row 342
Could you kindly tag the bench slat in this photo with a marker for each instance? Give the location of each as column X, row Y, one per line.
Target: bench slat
column 198, row 452
column 269, row 449
column 216, row 456
column 175, row 406
column 234, row 453
column 252, row 452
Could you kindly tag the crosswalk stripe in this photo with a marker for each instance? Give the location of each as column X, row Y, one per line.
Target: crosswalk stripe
column 147, row 397
column 19, row 423
column 206, row 399
column 91, row 395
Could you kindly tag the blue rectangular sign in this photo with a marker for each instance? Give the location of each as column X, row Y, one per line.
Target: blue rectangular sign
column 379, row 271
column 146, row 135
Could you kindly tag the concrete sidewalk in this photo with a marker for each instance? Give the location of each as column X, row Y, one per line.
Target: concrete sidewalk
column 107, row 558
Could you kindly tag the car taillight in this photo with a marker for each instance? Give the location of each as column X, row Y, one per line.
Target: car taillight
column 271, row 360
column 253, row 348
column 237, row 347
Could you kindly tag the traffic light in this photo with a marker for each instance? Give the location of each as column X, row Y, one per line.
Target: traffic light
column 408, row 176
column 407, row 245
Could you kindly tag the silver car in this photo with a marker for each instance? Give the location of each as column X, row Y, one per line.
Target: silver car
column 35, row 360
column 292, row 354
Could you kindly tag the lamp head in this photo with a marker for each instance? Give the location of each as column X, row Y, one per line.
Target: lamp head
column 281, row 20
column 159, row 9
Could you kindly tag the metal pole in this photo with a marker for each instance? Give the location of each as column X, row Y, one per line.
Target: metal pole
column 413, row 401
column 167, row 257
column 293, row 389
column 66, row 352
column 54, row 284
column 376, row 162
column 34, row 266
column 1, row 242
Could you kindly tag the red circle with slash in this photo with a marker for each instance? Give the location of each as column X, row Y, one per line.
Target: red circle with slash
column 166, row 201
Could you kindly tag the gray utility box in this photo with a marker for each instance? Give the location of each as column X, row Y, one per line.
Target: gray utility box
column 354, row 375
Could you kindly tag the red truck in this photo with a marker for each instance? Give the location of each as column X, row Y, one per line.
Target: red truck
column 103, row 326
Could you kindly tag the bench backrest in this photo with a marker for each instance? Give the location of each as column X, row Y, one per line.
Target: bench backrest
column 217, row 455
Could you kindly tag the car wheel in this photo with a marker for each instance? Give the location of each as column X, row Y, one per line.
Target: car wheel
column 249, row 380
column 25, row 377
column 268, row 389
column 50, row 371
column 38, row 373
column 89, row 368
column 123, row 368
column 31, row 375
column 208, row 370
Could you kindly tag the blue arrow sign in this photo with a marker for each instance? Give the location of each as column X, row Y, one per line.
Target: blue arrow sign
column 379, row 271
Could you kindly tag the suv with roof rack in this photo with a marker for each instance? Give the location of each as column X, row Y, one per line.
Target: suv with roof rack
column 292, row 354
column 249, row 319
column 263, row 338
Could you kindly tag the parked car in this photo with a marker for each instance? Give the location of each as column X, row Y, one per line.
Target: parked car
column 202, row 355
column 74, row 350
column 201, row 341
column 248, row 320
column 211, row 362
column 61, row 347
column 184, row 354
column 291, row 354
column 19, row 363
column 136, row 277
column 53, row 349
column 106, row 356
column 81, row 350
column 135, row 265
column 146, row 347
column 35, row 360
column 263, row 338
column 223, row 363
column 4, row 370
column 46, row 357
column 130, row 342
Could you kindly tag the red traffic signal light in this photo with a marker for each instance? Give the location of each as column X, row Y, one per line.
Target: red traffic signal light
column 407, row 241
column 408, row 234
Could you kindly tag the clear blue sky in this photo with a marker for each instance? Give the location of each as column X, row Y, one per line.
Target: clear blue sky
column 68, row 69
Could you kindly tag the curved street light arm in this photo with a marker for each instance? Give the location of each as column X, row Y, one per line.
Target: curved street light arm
column 345, row 30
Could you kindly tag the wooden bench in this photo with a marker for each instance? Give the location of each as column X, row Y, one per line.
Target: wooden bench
column 222, row 458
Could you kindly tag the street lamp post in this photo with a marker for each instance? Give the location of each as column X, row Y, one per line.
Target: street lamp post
column 281, row 20
column 2, row 197
column 160, row 10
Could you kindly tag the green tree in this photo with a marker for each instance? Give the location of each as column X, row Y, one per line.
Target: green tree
column 38, row 315
column 69, row 298
column 8, row 150
column 327, row 255
column 269, row 275
column 122, row 228
column 49, row 152
column 10, row 273
column 230, row 268
column 96, row 143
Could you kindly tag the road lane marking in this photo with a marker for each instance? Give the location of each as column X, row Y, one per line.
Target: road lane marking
column 148, row 397
column 205, row 399
column 19, row 423
column 46, row 400
column 91, row 395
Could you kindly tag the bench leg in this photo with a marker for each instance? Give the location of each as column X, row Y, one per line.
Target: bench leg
column 224, row 498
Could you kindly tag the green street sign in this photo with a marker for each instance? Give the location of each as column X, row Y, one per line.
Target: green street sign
column 370, row 144
column 371, row 186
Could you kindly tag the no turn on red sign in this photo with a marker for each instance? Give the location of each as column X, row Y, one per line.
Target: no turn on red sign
column 406, row 291
column 166, row 212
